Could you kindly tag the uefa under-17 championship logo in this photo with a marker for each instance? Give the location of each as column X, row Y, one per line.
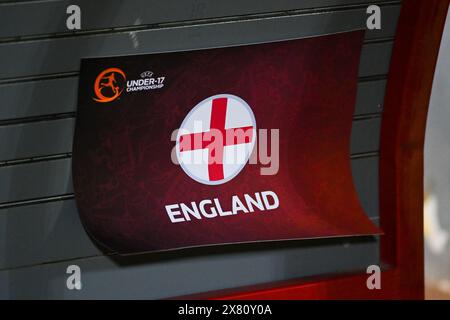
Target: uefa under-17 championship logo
column 216, row 139
column 109, row 85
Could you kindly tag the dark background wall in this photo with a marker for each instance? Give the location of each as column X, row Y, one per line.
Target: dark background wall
column 40, row 233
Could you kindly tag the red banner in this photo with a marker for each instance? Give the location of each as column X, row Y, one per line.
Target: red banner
column 219, row 146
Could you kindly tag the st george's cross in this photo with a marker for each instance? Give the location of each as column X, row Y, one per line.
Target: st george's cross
column 216, row 139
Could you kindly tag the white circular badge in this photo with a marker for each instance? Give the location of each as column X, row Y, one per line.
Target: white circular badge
column 216, row 139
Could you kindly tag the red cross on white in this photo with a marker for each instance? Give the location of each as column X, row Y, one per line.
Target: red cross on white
column 216, row 139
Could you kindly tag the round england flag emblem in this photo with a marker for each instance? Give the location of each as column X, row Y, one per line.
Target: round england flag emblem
column 216, row 139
